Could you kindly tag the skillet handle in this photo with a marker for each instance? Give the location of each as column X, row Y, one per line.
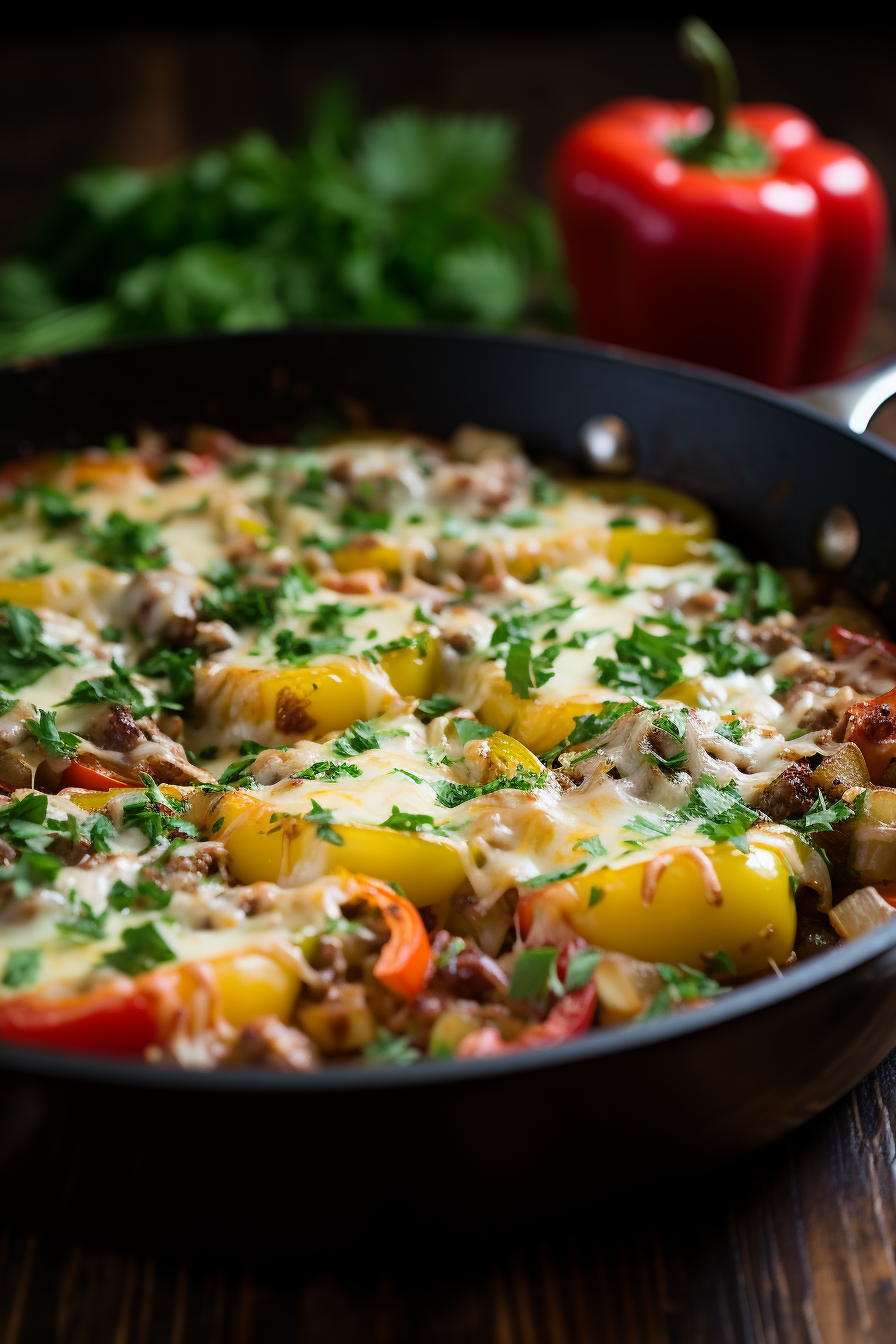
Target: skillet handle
column 854, row 399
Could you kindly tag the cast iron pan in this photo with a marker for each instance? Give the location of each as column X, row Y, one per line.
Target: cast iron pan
column 104, row 1145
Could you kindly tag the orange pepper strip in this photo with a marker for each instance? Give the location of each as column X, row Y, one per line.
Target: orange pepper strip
column 404, row 961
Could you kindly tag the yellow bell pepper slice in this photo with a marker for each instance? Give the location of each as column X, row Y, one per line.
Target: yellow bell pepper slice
column 691, row 525
column 538, row 724
column 414, row 675
column 427, row 868
column 751, row 916
column 372, row 554
column 253, row 984
column 274, row 706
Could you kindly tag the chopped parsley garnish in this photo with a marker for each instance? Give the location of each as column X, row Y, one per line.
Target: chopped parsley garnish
column 613, row 588
column 524, row 670
column 143, row 947
column 724, row 815
column 435, row 706
column 720, row 964
column 311, row 491
column 535, row 973
column 545, row 879
column 652, row 827
column 125, row 543
column 83, row 924
column 522, row 518
column 822, row 816
column 142, row 895
column 450, row 794
column 157, row 816
column 25, row 655
column 453, row 950
column 322, row 818
column 673, row 721
column 100, row 831
column 357, row 738
column 358, row 519
column 725, row 653
column 117, row 688
column 21, row 969
column 412, row 821
column 178, row 665
column 646, row 663
column 589, row 726
column 388, row 1048
column 732, row 729
column 54, row 508
column 581, row 967
column 468, row 730
column 30, row 568
column 299, row 649
column 48, row 736
column 329, row 770
column 593, row 846
column 419, row 642
column 253, row 604
column 682, row 985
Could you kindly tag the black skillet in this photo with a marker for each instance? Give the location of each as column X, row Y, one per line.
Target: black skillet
column 103, row 1144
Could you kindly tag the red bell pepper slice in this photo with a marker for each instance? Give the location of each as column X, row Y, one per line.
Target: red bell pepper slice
column 872, row 726
column 106, row 1022
column 766, row 269
column 78, row 776
column 403, row 964
column 572, row 1015
column 845, row 642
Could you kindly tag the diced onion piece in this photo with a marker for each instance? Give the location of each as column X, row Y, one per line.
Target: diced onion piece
column 860, row 912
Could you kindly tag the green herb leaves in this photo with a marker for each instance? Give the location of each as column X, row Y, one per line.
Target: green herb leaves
column 22, row 967
column 646, row 663
column 322, row 818
column 682, row 984
column 358, row 738
column 144, row 946
column 25, row 654
column 117, row 688
column 124, row 543
column 48, row 736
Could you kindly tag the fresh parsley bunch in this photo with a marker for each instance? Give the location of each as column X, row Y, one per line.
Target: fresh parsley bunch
column 405, row 218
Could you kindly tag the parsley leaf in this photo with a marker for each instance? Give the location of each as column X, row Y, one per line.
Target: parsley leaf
column 524, row 671
column 299, row 649
column 144, row 893
column 48, row 736
column 468, row 730
column 22, row 966
column 25, row 655
column 435, row 706
column 356, row 739
column 822, row 816
column 125, row 543
column 545, row 879
column 725, row 814
column 388, row 1048
column 653, row 827
column 100, row 832
column 590, row 726
column 412, row 821
column 117, row 688
column 322, row 818
column 733, row 729
column 725, row 653
column 581, row 967
column 143, row 947
column 593, row 846
column 645, row 662
column 30, row 568
column 84, row 924
column 178, row 666
column 329, row 770
column 682, row 984
column 454, row 949
column 535, row 973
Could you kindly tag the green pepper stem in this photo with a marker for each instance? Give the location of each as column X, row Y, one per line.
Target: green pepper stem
column 706, row 53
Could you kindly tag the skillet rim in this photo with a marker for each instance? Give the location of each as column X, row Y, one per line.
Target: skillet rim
column 741, row 1002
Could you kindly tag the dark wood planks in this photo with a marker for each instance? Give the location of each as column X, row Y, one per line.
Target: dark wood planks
column 793, row 1246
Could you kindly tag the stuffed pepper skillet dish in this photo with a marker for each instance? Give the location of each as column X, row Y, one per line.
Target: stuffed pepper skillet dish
column 383, row 748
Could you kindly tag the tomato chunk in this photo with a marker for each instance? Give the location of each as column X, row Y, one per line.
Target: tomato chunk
column 106, row 1022
column 872, row 726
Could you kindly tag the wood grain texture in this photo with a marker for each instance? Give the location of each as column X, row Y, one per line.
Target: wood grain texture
column 793, row 1246
column 796, row 1245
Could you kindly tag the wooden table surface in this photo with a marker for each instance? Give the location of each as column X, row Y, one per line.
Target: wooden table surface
column 796, row 1244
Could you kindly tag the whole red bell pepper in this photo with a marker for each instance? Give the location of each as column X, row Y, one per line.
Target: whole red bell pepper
column 733, row 236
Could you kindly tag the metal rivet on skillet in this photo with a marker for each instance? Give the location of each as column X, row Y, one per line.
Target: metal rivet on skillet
column 608, row 445
column 838, row 537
